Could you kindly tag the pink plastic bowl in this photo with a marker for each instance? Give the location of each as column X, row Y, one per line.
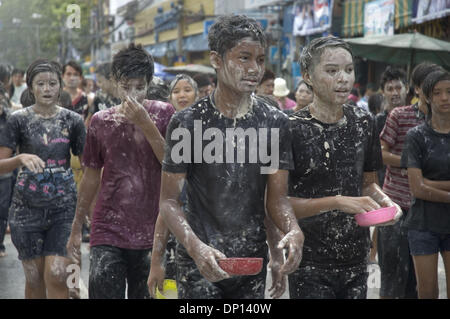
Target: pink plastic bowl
column 375, row 217
column 241, row 266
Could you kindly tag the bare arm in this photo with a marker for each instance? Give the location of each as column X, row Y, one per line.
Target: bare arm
column 388, row 157
column 423, row 191
column 306, row 207
column 157, row 268
column 442, row 185
column 9, row 164
column 372, row 195
column 170, row 209
column 281, row 213
column 372, row 189
column 88, row 189
column 274, row 235
column 137, row 114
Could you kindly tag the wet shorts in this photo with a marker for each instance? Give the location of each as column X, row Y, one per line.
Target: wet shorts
column 398, row 278
column 311, row 282
column 427, row 242
column 114, row 271
column 40, row 232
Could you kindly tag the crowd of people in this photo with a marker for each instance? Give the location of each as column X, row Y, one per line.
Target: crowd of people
column 166, row 179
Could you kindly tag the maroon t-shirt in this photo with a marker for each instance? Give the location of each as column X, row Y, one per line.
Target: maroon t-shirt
column 128, row 202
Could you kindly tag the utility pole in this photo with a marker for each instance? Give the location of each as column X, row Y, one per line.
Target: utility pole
column 180, row 16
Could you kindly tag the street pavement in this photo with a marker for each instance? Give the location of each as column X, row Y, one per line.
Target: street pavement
column 12, row 282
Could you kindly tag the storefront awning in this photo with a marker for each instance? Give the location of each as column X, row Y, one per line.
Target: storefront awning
column 353, row 16
column 403, row 13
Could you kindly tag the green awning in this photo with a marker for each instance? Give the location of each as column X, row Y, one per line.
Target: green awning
column 353, row 18
column 403, row 13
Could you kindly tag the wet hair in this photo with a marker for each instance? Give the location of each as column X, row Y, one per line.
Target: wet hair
column 300, row 83
column 180, row 77
column 391, row 74
column 202, row 80
column 5, row 74
column 40, row 66
column 65, row 100
column 421, row 71
column 3, row 96
column 268, row 75
column 132, row 62
column 375, row 102
column 228, row 30
column 104, row 70
column 312, row 53
column 410, row 95
column 158, row 90
column 18, row 71
column 73, row 65
column 26, row 98
column 2, row 90
column 430, row 82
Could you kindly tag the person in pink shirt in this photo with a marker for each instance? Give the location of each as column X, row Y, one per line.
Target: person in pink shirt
column 126, row 141
column 281, row 92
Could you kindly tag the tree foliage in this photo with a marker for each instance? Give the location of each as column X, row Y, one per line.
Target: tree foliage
column 20, row 32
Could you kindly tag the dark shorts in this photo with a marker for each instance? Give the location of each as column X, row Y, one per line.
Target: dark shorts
column 397, row 278
column 6, row 186
column 112, row 269
column 192, row 285
column 312, row 282
column 40, row 232
column 427, row 242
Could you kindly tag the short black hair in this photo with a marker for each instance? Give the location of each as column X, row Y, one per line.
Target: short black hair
column 421, row 71
column 392, row 73
column 228, row 30
column 131, row 63
column 300, row 83
column 74, row 65
column 312, row 53
column 268, row 75
column 202, row 79
column 18, row 71
column 104, row 69
column 375, row 102
column 5, row 74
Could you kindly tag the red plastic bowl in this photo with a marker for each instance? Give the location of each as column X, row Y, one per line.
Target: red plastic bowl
column 241, row 266
column 375, row 217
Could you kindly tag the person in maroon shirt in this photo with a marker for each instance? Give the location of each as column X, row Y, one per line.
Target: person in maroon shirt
column 126, row 141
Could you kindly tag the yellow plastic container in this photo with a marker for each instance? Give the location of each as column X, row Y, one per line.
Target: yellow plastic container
column 169, row 290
